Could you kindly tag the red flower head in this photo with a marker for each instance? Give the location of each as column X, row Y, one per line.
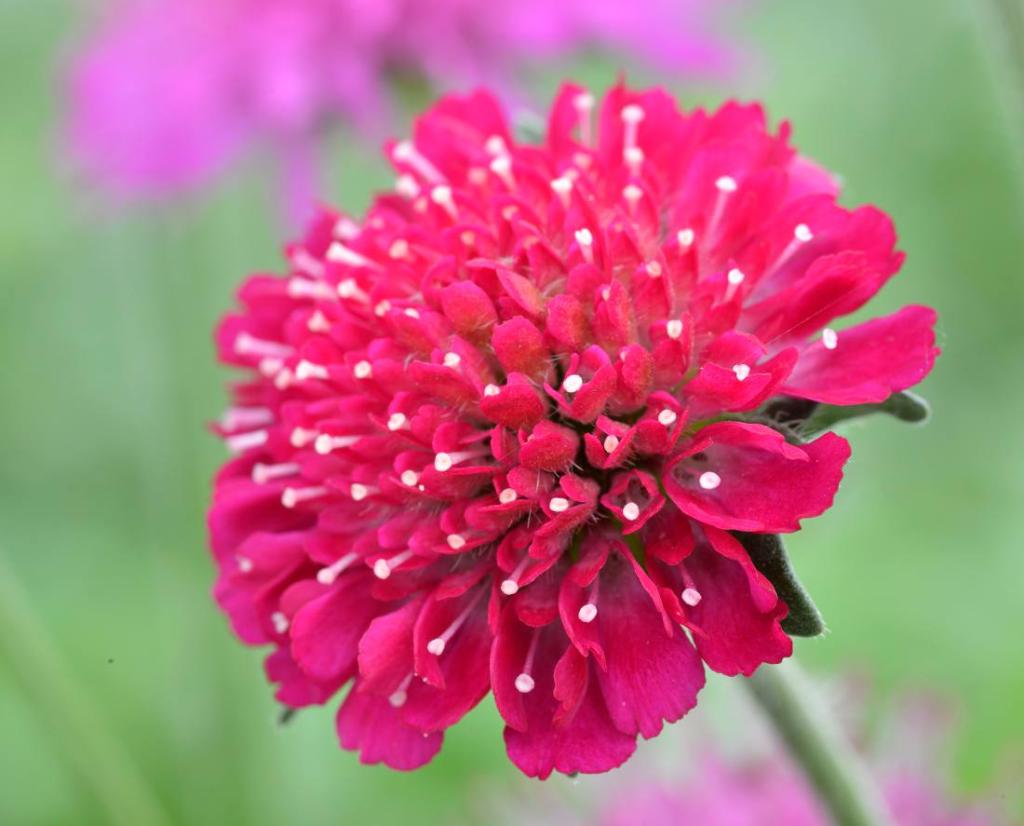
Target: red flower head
column 498, row 436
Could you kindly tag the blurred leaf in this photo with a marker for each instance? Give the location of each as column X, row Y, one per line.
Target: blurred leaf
column 769, row 555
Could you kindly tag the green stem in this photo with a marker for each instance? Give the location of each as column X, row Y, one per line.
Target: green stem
column 82, row 737
column 818, row 747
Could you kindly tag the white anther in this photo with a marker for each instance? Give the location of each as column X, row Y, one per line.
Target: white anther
column 409, row 478
column 307, row 370
column 495, row 145
column 559, row 504
column 573, row 382
column 726, row 184
column 358, row 492
column 685, row 237
column 632, row 113
column 587, row 612
column 451, row 360
column 509, row 587
column 691, row 596
column 326, row 576
column 396, row 421
column 606, row 293
column 709, row 480
column 524, row 683
column 303, row 288
column 634, row 158
column 491, row 390
column 456, row 542
column 741, row 371
column 383, row 568
column 241, row 442
column 261, row 473
column 667, row 417
column 399, row 249
column 397, row 698
column 244, row 564
column 467, row 237
column 802, row 233
column 584, row 237
column 382, row 308
column 735, row 276
column 442, row 196
column 632, row 193
column 562, row 187
column 279, row 621
column 248, row 345
column 436, row 646
column 507, row 496
column 406, row 186
column 340, row 254
column 362, row 370
column 306, row 263
column 406, row 152
column 584, row 101
column 318, row 323
column 443, row 462
column 291, row 497
column 653, row 269
column 830, row 338
column 610, row 443
column 302, row 436
column 502, row 167
column 631, row 511
column 411, row 312
column 674, row 328
column 325, row 443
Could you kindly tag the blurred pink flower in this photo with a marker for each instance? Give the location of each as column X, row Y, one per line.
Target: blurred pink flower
column 167, row 92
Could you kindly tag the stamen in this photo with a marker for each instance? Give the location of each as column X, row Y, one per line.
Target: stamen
column 318, row 323
column 491, row 390
column 383, row 568
column 279, row 621
column 585, row 240
column 573, row 382
column 631, row 511
column 244, row 564
column 400, row 694
column 726, row 184
column 406, row 186
column 634, row 158
column 451, row 360
column 691, row 596
column 237, row 417
column 249, row 345
column 562, row 187
column 524, row 682
column 709, row 480
column 261, row 473
column 340, row 254
column 346, row 228
column 396, row 421
column 735, row 277
column 632, row 193
column 302, row 436
column 241, row 442
column 409, row 478
column 382, row 308
column 559, row 504
column 685, row 238
column 348, row 289
column 306, row 263
column 406, row 152
column 802, row 233
column 437, row 645
column 291, row 497
column 303, row 288
column 741, row 371
column 611, row 443
column 667, row 417
column 362, row 369
column 456, row 541
column 442, row 196
column 653, row 269
column 325, row 443
column 399, row 249
column 674, row 328
column 507, row 496
column 359, row 492
column 829, row 338
column 411, row 312
column 631, row 115
column 307, row 370
column 502, row 167
column 327, row 576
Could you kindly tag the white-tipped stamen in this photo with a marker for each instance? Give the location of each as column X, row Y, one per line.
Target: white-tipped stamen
column 399, row 249
column 634, row 159
column 631, row 115
column 237, row 417
column 304, row 288
column 327, row 576
column 383, row 568
column 362, row 369
column 735, row 277
column 674, row 328
column 318, row 323
column 573, row 382
column 248, row 345
column 610, row 444
column 325, row 443
column 306, row 263
column 279, row 621
column 587, row 613
column 685, row 238
column 491, row 390
column 456, row 541
column 451, row 360
column 585, row 240
column 436, row 646
column 396, row 421
column 829, row 338
column 802, row 233
column 709, row 480
column 305, row 370
column 726, row 183
column 495, row 145
column 741, row 371
column 406, row 152
column 359, row 492
column 632, row 193
column 338, row 253
column 346, row 229
column 524, row 683
column 667, row 417
column 398, row 697
column 411, row 312
column 507, row 496
column 244, row 564
column 348, row 289
column 261, row 473
column 502, row 167
column 653, row 269
column 562, row 187
column 442, row 196
column 241, row 442
column 409, row 478
column 691, row 596
column 290, row 497
column 559, row 504
column 382, row 308
column 631, row 511
column 302, row 436
column 406, row 186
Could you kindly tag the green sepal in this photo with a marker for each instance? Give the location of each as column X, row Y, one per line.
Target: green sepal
column 905, row 406
column 286, row 716
column 769, row 557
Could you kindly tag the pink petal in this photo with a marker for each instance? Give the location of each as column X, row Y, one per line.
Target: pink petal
column 373, row 727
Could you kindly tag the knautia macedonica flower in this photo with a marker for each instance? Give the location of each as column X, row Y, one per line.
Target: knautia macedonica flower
column 515, row 431
column 164, row 93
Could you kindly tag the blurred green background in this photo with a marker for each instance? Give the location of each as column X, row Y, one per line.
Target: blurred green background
column 111, row 652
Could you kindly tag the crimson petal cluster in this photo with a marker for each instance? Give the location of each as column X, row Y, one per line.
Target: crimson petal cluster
column 496, row 436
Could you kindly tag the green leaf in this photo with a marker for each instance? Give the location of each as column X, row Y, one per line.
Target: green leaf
column 769, row 556
column 905, row 406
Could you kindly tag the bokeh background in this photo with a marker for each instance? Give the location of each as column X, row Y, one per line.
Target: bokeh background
column 119, row 680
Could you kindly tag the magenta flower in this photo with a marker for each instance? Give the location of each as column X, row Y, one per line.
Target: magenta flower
column 169, row 91
column 499, row 435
